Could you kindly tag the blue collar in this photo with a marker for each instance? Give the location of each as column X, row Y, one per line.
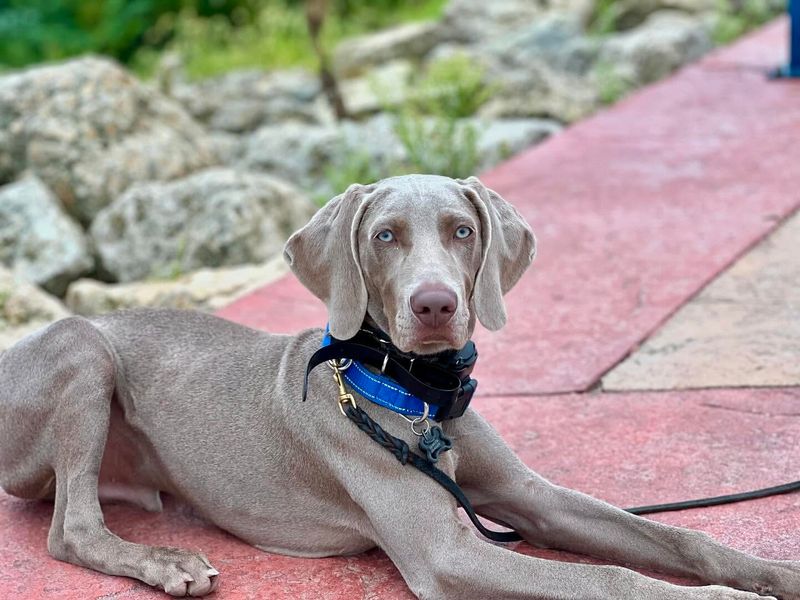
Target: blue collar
column 380, row 389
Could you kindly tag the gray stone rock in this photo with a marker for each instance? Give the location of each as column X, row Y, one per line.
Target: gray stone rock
column 374, row 137
column 384, row 86
column 24, row 308
column 479, row 21
column 242, row 101
column 303, row 153
column 501, row 139
column 228, row 147
column 217, row 217
column 89, row 129
column 206, row 289
column 556, row 40
column 38, row 240
column 409, row 41
column 632, row 13
column 473, row 21
column 664, row 42
column 540, row 91
column 297, row 152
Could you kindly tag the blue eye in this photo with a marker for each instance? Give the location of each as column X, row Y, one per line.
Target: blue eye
column 463, row 233
column 385, row 236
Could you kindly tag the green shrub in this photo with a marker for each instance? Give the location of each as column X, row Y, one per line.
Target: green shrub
column 611, row 86
column 605, row 17
column 275, row 35
column 452, row 87
column 217, row 35
column 40, row 30
column 275, row 38
column 353, row 166
column 439, row 145
column 736, row 17
column 431, row 125
column 432, row 145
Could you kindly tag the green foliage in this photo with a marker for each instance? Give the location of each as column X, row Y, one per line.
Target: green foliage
column 432, row 145
column 216, row 35
column 40, row 30
column 451, row 87
column 440, row 145
column 353, row 165
column 611, row 86
column 736, row 17
column 276, row 37
column 431, row 125
column 174, row 269
column 605, row 17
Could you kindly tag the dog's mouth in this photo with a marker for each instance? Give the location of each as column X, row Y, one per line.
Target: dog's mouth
column 431, row 341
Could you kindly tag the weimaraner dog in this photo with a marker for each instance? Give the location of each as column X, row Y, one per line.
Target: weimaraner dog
column 125, row 406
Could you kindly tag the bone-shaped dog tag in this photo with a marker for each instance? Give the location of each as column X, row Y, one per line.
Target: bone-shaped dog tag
column 434, row 442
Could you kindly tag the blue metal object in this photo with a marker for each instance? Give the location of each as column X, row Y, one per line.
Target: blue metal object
column 792, row 69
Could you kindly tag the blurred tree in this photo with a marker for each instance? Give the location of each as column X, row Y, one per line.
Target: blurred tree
column 222, row 33
column 316, row 11
column 37, row 30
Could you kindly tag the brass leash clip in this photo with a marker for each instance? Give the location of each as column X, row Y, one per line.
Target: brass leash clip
column 344, row 396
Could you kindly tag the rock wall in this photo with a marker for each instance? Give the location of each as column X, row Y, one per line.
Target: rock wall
column 178, row 193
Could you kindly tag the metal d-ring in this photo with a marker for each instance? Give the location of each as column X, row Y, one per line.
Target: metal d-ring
column 342, row 364
column 421, row 420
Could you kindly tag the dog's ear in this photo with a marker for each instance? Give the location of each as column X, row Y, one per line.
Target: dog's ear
column 508, row 245
column 324, row 257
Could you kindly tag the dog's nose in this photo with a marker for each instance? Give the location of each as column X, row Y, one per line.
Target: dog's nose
column 434, row 306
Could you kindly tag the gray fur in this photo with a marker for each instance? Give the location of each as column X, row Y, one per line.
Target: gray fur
column 130, row 404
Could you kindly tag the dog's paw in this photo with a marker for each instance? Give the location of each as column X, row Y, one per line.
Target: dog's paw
column 181, row 573
column 783, row 579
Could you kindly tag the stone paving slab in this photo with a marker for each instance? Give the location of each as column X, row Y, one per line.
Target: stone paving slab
column 636, row 209
column 741, row 330
column 629, row 449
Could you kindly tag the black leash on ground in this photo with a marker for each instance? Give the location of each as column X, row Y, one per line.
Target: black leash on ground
column 776, row 490
column 403, row 453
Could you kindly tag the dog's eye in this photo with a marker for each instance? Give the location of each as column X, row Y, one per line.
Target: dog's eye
column 385, row 236
column 463, row 232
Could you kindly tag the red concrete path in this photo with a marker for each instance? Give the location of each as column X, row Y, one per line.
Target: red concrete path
column 626, row 448
column 635, row 210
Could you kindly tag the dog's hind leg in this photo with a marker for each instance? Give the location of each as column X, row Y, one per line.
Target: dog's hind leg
column 62, row 382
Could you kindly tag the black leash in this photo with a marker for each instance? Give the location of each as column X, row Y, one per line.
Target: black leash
column 445, row 381
column 786, row 488
column 402, row 453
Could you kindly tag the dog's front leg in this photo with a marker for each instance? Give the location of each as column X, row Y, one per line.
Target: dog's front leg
column 501, row 487
column 415, row 521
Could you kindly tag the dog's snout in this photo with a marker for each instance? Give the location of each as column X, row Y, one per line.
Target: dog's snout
column 434, row 306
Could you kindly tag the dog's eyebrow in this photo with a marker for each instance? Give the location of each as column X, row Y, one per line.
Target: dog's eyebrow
column 458, row 215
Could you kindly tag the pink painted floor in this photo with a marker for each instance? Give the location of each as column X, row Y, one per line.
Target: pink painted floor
column 629, row 449
column 635, row 210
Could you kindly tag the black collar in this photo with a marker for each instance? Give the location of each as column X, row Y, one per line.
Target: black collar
column 441, row 379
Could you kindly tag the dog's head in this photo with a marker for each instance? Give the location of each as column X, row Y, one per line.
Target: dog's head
column 421, row 255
